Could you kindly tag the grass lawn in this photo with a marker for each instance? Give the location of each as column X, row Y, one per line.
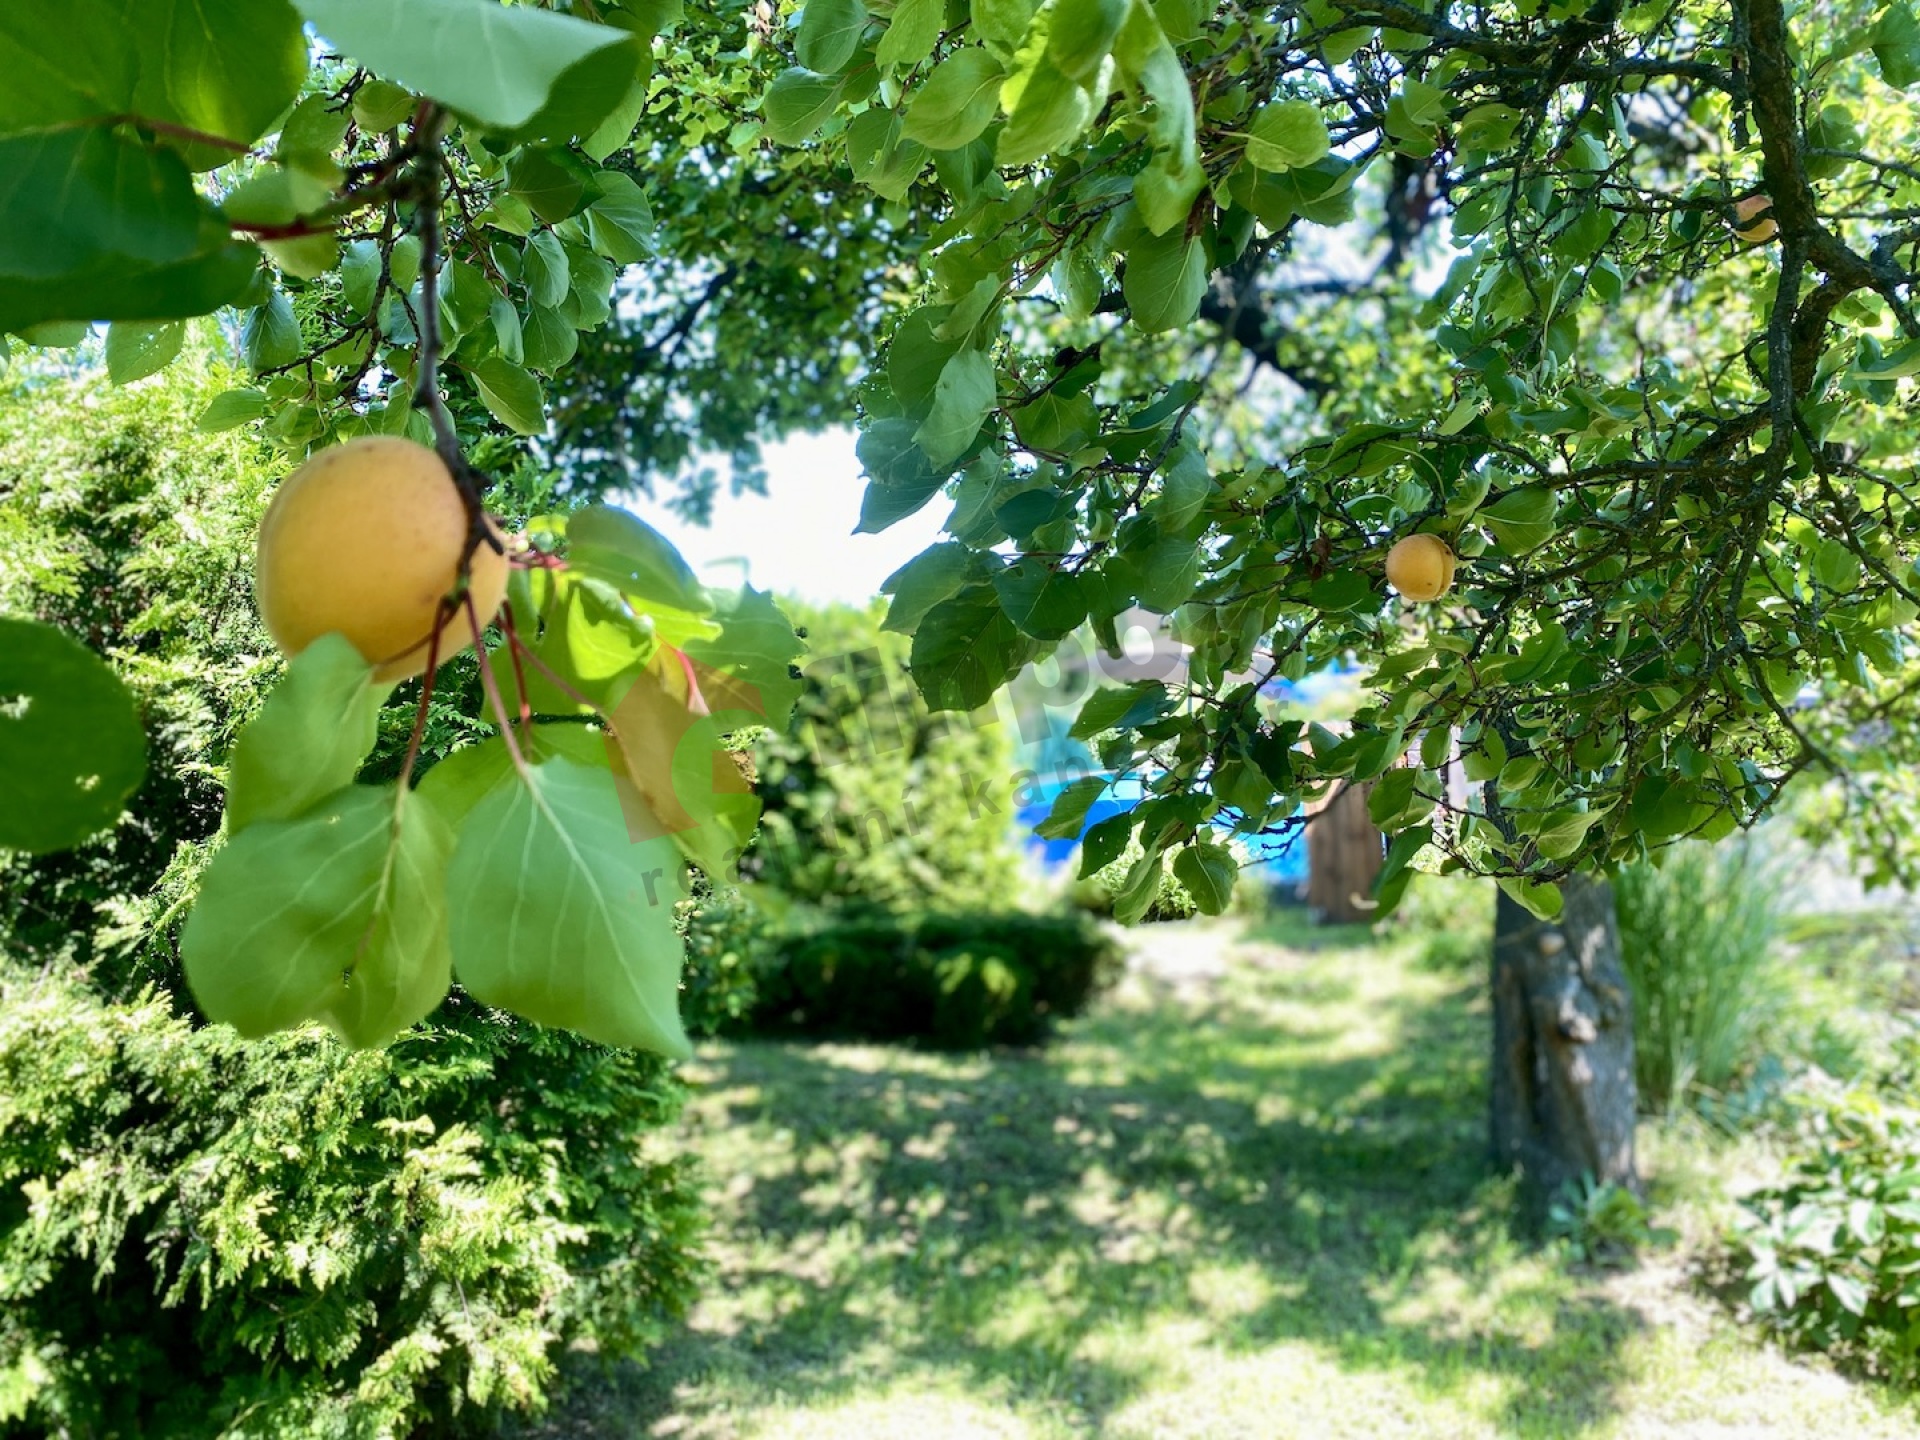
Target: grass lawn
column 1245, row 1197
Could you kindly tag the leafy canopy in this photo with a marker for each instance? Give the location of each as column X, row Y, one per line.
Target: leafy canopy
column 1130, row 337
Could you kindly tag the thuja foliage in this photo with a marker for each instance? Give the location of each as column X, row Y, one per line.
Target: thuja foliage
column 128, row 530
column 201, row 1236
column 872, row 799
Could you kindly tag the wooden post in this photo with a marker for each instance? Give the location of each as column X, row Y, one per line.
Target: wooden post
column 1344, row 854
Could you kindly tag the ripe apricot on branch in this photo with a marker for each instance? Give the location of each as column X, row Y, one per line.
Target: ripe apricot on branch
column 366, row 538
column 1420, row 567
column 1753, row 219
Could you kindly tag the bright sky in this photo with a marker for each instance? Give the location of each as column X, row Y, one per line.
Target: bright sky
column 798, row 538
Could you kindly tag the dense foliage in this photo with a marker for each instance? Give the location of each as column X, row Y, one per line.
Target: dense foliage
column 952, row 981
column 1833, row 1250
column 202, row 1236
column 871, row 799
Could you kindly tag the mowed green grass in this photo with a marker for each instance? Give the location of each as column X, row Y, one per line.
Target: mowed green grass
column 1244, row 1198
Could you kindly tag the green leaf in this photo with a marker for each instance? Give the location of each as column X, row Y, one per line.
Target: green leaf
column 880, row 158
column 305, row 257
column 94, row 226
column 547, row 341
column 310, row 737
column 232, row 409
column 338, row 916
column 1836, row 566
column 380, row 106
column 1140, row 887
column 507, row 333
column 71, row 746
column 962, row 400
column 1424, row 105
column 549, row 181
column 1538, row 898
column 559, row 916
column 1121, row 709
column 1043, row 601
column 511, row 68
column 923, row 582
column 1287, row 136
column 311, row 134
column 1069, row 813
column 797, row 104
column 1002, row 23
column 619, row 548
column 1082, row 33
column 1052, row 110
column 512, row 396
column 957, row 101
column 1165, row 280
column 1163, row 575
column 136, row 350
column 226, row 70
column 1165, row 193
column 901, row 479
column 1896, row 45
column 911, row 34
column 756, row 648
column 917, row 354
column 619, row 220
column 965, row 649
column 1522, row 519
column 1209, row 872
column 1186, row 484
column 829, row 34
column 1105, row 843
column 270, row 336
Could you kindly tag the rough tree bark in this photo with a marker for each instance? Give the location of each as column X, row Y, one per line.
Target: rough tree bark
column 1563, row 1092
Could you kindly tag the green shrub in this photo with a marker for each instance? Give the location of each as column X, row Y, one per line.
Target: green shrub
column 871, row 799
column 201, row 1236
column 954, row 981
column 1699, row 939
column 1833, row 1251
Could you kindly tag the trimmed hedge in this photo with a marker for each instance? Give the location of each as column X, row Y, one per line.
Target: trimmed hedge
column 954, row 982
column 205, row 1236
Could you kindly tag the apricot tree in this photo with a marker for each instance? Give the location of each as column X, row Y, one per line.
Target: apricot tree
column 1201, row 308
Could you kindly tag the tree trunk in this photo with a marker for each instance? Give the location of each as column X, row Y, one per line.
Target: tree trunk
column 1563, row 1093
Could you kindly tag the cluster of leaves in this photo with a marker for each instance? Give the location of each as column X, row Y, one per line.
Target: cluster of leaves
column 544, row 866
column 1666, row 454
column 954, row 981
column 422, row 211
column 174, row 1261
column 870, row 799
column 1833, row 1251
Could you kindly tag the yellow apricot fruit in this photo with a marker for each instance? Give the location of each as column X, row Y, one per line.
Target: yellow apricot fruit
column 1753, row 219
column 366, row 538
column 1420, row 567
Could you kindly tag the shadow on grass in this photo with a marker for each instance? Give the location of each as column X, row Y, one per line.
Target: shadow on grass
column 1294, row 1158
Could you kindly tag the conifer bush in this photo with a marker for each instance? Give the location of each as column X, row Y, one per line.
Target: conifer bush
column 204, row 1236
